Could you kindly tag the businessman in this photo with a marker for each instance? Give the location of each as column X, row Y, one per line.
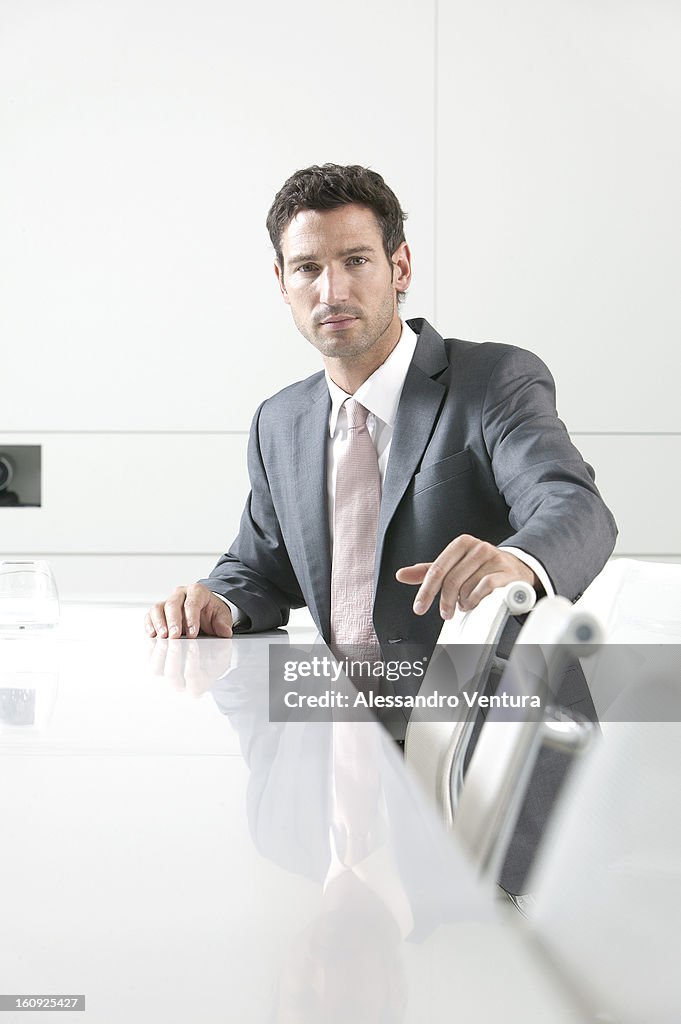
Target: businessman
column 410, row 461
column 411, row 474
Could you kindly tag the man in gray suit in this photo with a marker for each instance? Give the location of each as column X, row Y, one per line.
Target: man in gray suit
column 481, row 484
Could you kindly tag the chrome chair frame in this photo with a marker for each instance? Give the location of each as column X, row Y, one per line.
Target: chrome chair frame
column 436, row 749
column 506, row 751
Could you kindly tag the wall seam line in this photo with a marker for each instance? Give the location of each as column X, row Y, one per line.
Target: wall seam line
column 436, row 75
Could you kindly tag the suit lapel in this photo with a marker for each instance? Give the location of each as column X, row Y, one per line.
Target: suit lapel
column 420, row 403
column 310, row 433
column 417, row 412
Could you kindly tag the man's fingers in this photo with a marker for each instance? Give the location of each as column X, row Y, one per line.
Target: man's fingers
column 412, row 573
column 437, row 571
column 461, row 580
column 452, row 567
column 219, row 618
column 157, row 618
column 432, row 577
column 222, row 628
column 485, row 585
column 432, row 582
column 173, row 610
column 166, row 618
column 186, row 611
column 446, row 574
column 198, row 598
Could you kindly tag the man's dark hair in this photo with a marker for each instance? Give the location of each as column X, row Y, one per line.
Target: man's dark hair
column 332, row 185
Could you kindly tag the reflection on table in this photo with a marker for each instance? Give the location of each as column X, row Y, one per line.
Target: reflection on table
column 175, row 855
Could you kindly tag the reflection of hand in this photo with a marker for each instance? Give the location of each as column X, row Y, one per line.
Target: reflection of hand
column 466, row 571
column 193, row 665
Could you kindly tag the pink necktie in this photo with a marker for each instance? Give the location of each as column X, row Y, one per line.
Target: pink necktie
column 357, row 502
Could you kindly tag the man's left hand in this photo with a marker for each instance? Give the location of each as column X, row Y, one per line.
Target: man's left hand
column 466, row 571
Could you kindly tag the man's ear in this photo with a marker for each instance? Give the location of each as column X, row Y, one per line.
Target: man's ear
column 401, row 261
column 280, row 278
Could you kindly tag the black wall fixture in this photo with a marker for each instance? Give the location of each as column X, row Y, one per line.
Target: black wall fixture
column 20, row 476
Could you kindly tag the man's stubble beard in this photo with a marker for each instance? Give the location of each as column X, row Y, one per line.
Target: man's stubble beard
column 337, row 348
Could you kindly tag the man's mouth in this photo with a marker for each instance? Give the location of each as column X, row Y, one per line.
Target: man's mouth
column 338, row 323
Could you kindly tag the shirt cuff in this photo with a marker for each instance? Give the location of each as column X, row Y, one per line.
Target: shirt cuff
column 536, row 566
column 237, row 615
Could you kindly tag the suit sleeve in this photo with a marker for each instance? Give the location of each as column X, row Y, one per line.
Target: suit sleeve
column 256, row 573
column 554, row 505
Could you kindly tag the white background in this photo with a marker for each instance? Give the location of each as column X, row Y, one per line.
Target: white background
column 535, row 146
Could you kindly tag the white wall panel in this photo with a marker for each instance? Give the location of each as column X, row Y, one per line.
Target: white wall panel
column 142, row 146
column 559, row 210
column 640, row 479
column 534, row 146
column 129, row 493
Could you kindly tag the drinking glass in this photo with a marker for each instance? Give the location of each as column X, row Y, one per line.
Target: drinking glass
column 28, row 596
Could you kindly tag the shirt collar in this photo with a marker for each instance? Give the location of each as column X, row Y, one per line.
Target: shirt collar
column 380, row 393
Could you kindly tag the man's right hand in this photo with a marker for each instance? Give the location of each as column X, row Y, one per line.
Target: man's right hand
column 188, row 610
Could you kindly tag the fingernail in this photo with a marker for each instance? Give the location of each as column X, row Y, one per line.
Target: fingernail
column 446, row 613
column 162, row 631
column 419, row 606
column 191, row 627
column 174, row 630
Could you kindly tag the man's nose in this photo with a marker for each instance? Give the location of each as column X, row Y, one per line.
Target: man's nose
column 333, row 286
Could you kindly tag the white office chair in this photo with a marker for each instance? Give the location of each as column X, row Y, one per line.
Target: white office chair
column 436, row 743
column 506, row 751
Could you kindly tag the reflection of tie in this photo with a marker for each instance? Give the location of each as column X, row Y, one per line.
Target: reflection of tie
column 355, row 792
column 358, row 497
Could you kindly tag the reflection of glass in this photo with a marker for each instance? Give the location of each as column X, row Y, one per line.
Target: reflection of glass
column 27, row 701
column 28, row 595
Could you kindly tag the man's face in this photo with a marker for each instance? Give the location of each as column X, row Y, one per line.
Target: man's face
column 340, row 286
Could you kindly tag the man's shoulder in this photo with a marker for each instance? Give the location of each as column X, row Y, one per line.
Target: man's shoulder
column 488, row 353
column 479, row 351
column 485, row 365
column 295, row 397
column 470, row 355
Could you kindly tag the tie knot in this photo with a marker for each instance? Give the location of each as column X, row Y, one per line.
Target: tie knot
column 356, row 413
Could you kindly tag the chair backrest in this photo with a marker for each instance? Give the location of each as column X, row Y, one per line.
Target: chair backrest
column 506, row 751
column 437, row 741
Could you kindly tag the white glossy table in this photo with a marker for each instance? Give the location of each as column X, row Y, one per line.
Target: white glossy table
column 167, row 851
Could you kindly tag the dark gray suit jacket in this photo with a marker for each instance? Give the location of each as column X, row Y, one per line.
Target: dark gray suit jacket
column 477, row 448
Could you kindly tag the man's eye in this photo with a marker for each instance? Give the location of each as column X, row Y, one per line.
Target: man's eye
column 357, row 261
column 307, row 268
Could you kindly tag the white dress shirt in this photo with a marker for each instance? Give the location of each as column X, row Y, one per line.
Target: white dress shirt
column 380, row 395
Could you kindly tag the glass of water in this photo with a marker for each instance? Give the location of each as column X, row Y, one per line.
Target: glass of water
column 28, row 596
